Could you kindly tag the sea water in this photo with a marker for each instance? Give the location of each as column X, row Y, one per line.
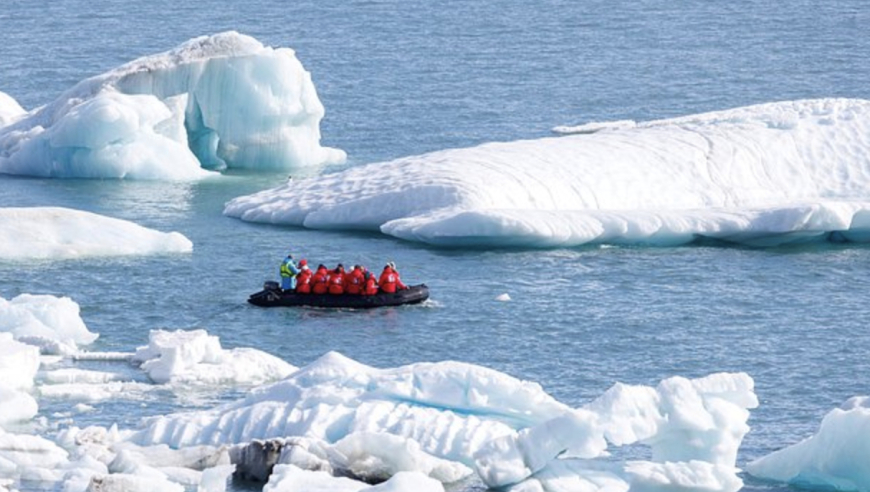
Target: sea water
column 400, row 78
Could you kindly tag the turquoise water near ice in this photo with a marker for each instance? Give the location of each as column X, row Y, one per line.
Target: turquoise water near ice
column 405, row 77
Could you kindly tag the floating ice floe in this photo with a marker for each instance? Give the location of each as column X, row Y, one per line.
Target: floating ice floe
column 101, row 460
column 54, row 233
column 288, row 478
column 18, row 366
column 10, row 110
column 835, row 458
column 52, row 323
column 214, row 102
column 761, row 175
column 197, row 357
column 511, row 432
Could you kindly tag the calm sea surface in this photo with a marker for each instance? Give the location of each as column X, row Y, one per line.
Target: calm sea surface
column 405, row 77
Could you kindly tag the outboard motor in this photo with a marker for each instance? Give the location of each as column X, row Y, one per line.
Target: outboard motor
column 270, row 285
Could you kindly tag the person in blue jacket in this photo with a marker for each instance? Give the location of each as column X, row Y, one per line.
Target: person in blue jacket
column 289, row 270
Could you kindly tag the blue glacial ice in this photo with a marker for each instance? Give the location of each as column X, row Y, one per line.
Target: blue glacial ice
column 214, row 102
column 835, row 458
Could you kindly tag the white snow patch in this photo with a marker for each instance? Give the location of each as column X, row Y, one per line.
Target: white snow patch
column 54, row 233
column 761, row 175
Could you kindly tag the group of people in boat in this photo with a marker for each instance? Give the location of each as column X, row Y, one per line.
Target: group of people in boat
column 299, row 278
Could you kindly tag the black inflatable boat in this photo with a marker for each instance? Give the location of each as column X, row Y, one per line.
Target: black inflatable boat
column 272, row 296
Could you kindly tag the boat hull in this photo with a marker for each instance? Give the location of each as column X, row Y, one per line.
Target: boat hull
column 275, row 297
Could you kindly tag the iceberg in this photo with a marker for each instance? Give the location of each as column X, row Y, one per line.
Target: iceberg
column 410, row 419
column 340, row 424
column 288, row 478
column 213, row 103
column 10, row 110
column 53, row 324
column 761, row 175
column 18, row 365
column 55, row 233
column 197, row 357
column 835, row 458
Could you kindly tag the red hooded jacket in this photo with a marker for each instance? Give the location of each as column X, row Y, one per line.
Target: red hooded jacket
column 303, row 281
column 318, row 281
column 354, row 281
column 335, row 279
column 390, row 281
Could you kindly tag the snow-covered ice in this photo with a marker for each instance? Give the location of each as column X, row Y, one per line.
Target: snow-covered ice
column 214, row 102
column 288, row 478
column 18, row 366
column 52, row 323
column 760, row 175
column 55, row 233
column 510, row 431
column 197, row 357
column 835, row 458
column 10, row 110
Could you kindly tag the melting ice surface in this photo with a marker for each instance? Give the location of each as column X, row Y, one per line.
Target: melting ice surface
column 835, row 458
column 337, row 424
column 214, row 102
column 760, row 175
column 62, row 233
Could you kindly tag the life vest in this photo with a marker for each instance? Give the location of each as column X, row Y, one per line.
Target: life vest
column 288, row 268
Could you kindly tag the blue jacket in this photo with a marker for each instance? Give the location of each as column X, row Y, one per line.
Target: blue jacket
column 289, row 270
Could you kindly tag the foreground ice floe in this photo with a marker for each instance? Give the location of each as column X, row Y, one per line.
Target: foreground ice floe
column 197, row 357
column 337, row 424
column 214, row 102
column 835, row 458
column 97, row 458
column 54, row 233
column 10, row 110
column 761, row 175
column 18, row 365
column 51, row 323
column 510, row 432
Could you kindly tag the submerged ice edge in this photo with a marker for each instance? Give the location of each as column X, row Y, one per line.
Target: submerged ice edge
column 762, row 175
column 212, row 103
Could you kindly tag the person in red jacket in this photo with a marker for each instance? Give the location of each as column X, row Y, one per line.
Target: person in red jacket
column 318, row 281
column 336, row 280
column 371, row 287
column 354, row 282
column 303, row 280
column 390, row 281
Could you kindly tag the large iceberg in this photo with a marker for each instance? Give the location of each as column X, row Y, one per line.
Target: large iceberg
column 214, row 102
column 835, row 458
column 761, row 175
column 510, row 431
column 55, row 233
